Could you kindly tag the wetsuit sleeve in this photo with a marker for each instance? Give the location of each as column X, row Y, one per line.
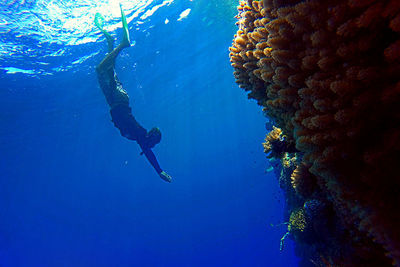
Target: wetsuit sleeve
column 151, row 158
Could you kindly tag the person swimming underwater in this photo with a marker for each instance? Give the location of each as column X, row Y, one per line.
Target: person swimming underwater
column 118, row 99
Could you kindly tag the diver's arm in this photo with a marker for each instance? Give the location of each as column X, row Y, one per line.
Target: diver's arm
column 153, row 161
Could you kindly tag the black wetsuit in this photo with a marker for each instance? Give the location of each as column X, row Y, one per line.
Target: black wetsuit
column 121, row 113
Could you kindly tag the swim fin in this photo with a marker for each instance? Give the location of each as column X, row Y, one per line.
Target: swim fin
column 126, row 40
column 99, row 21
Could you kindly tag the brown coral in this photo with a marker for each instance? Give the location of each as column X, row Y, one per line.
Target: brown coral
column 328, row 73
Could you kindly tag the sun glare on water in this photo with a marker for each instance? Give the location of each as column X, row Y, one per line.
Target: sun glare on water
column 70, row 22
column 31, row 29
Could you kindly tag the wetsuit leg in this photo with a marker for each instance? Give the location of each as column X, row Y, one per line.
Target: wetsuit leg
column 107, row 77
column 110, row 42
column 109, row 61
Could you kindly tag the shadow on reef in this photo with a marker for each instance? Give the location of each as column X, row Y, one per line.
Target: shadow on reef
column 328, row 76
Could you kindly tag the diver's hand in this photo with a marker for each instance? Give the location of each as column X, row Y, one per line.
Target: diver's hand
column 165, row 176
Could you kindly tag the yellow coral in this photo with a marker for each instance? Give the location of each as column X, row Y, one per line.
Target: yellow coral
column 295, row 177
column 288, row 161
column 271, row 137
column 297, row 221
column 297, row 224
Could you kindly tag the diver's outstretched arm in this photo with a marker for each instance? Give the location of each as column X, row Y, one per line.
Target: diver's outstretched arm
column 153, row 161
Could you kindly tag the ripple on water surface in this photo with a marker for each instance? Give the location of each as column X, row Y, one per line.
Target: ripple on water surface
column 35, row 34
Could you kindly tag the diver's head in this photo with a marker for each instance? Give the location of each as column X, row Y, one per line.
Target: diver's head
column 153, row 137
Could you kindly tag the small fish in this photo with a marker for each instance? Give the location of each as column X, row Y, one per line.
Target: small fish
column 270, row 169
column 184, row 14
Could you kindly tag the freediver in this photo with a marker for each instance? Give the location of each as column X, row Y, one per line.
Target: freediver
column 118, row 99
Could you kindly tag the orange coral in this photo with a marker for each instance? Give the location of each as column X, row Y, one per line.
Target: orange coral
column 271, row 138
column 328, row 73
column 303, row 181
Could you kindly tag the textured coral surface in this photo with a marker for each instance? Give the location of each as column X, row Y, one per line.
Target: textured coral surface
column 328, row 75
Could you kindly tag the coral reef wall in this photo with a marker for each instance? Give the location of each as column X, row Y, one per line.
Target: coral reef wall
column 328, row 74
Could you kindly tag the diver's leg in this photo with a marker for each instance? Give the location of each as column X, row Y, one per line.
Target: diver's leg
column 109, row 61
column 110, row 42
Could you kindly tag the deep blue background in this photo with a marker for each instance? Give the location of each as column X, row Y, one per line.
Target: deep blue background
column 73, row 192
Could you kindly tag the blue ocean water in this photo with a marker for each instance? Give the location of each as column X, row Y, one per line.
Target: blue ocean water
column 73, row 192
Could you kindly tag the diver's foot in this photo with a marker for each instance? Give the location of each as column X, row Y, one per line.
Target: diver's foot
column 126, row 42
